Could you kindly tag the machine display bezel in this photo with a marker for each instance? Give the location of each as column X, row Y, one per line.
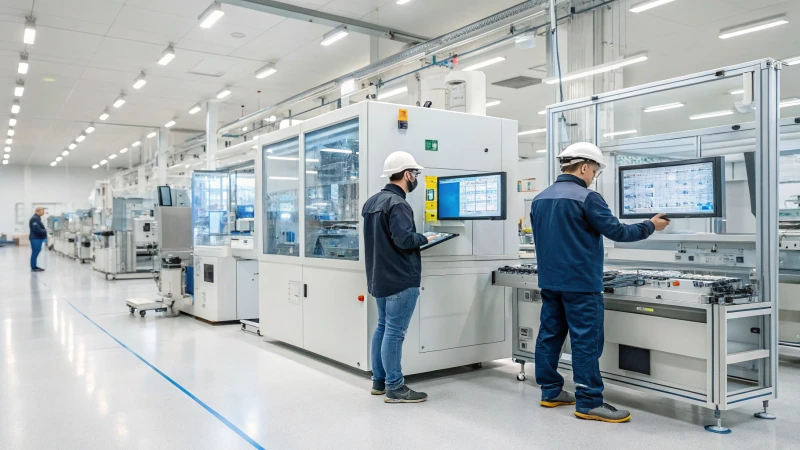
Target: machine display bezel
column 717, row 185
column 502, row 192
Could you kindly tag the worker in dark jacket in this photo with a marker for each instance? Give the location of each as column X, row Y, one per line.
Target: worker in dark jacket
column 38, row 237
column 394, row 272
column 569, row 222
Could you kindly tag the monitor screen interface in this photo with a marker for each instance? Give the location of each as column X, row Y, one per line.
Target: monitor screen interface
column 165, row 195
column 678, row 189
column 472, row 197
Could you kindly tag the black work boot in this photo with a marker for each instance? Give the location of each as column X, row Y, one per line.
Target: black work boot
column 405, row 395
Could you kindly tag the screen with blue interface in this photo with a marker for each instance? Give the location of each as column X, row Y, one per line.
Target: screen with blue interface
column 682, row 189
column 472, row 197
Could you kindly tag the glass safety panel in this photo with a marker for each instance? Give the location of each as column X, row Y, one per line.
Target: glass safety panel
column 332, row 175
column 281, row 188
column 243, row 183
column 210, row 203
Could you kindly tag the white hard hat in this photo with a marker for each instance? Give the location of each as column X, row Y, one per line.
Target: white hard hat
column 398, row 162
column 581, row 151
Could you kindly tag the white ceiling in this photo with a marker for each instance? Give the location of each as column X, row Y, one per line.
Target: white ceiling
column 88, row 51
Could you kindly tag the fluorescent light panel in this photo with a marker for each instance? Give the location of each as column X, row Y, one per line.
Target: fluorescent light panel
column 11, row 133
column 95, row 166
column 752, row 27
column 493, row 103
column 224, row 92
column 596, row 70
column 15, row 107
column 711, row 114
column 266, row 71
column 12, row 122
column 151, row 135
column 104, row 115
column 334, row 35
column 19, row 89
column 169, row 124
column 402, row 2
column 90, row 129
column 29, row 36
column 167, row 56
column 664, row 107
column 284, row 178
column 23, row 66
column 348, row 86
column 620, row 133
column 211, row 15
column 53, row 164
column 135, row 144
column 80, row 138
column 541, row 151
column 140, row 81
column 483, row 64
column 65, row 153
column 737, row 92
column 644, row 6
column 119, row 101
column 393, row 93
column 112, row 156
column 283, row 158
column 536, row 131
column 58, row 159
column 792, row 61
column 73, row 146
column 123, row 151
column 9, row 141
column 790, row 102
column 103, row 162
column 337, row 150
column 195, row 109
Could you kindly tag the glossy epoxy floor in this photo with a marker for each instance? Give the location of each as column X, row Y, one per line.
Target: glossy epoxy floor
column 67, row 384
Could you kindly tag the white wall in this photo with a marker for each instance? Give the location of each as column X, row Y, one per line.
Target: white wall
column 36, row 185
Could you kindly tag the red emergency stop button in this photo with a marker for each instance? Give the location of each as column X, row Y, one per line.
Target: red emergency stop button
column 676, row 283
column 361, row 298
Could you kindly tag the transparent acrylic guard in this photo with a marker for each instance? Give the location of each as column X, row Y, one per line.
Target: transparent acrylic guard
column 281, row 187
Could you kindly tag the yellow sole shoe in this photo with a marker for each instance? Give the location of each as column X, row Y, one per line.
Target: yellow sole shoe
column 547, row 404
column 601, row 419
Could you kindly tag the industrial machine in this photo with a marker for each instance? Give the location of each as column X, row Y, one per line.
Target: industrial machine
column 313, row 179
column 171, row 283
column 691, row 313
column 129, row 249
column 83, row 235
column 225, row 269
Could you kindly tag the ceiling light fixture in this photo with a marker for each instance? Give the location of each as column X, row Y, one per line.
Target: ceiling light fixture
column 483, row 64
column 602, row 68
column 195, row 109
column 337, row 150
column 211, row 15
column 6, row 156
column 284, row 178
column 90, row 129
column 134, row 145
column 283, row 158
column 790, row 102
column 73, row 146
column 103, row 162
column 5, row 161
column 620, row 133
column 104, row 115
column 95, row 166
column 402, row 2
column 123, row 151
column 711, row 114
column 23, row 63
column 58, row 159
column 737, row 92
column 29, row 37
column 9, row 141
column 644, row 6
column 140, row 81
column 393, row 93
column 542, row 112
column 792, row 61
column 15, row 107
column 11, row 132
column 167, row 56
column 7, row 149
column 752, row 27
column 224, row 92
column 19, row 89
column 170, row 123
column 151, row 135
column 80, row 138
column 493, row 103
column 334, row 35
column 541, row 151
column 536, row 131
column 65, row 153
column 53, row 164
column 12, row 122
column 112, row 156
column 266, row 71
column 664, row 107
column 348, row 86
column 119, row 101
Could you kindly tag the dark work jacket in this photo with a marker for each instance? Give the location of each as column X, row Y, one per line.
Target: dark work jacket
column 392, row 243
column 569, row 222
column 38, row 231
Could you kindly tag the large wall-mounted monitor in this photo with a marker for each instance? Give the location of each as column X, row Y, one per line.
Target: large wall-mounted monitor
column 680, row 189
column 472, row 197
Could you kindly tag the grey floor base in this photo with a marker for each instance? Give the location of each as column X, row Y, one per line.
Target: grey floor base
column 65, row 384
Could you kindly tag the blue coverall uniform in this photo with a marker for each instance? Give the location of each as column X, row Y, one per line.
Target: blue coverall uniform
column 569, row 222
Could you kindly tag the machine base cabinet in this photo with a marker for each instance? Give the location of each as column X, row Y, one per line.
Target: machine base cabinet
column 459, row 319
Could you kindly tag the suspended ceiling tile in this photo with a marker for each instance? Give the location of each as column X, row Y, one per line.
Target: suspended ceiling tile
column 281, row 40
column 222, row 35
column 150, row 26
column 95, row 11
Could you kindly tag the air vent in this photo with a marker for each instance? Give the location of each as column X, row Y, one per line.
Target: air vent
column 519, row 82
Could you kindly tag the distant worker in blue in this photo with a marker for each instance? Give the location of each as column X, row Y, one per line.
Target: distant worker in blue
column 38, row 237
column 394, row 271
column 569, row 221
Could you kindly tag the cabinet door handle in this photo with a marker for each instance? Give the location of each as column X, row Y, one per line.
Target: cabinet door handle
column 305, row 291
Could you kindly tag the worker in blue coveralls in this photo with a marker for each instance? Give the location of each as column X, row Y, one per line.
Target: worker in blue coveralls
column 569, row 221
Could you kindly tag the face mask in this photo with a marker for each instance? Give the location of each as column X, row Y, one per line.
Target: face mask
column 411, row 185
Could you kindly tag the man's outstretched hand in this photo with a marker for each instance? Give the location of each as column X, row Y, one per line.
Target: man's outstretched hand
column 660, row 221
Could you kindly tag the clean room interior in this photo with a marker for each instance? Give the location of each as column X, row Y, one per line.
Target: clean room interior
column 201, row 169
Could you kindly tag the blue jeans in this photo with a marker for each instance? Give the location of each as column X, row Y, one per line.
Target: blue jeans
column 394, row 315
column 36, row 248
column 580, row 314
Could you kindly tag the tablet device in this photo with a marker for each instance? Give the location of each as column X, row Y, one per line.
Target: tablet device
column 438, row 239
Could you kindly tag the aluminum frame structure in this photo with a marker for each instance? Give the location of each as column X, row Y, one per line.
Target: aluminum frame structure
column 766, row 82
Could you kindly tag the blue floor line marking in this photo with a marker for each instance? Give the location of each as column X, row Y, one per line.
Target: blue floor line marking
column 211, row 410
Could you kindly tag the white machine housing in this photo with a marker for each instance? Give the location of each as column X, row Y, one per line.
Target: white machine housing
column 322, row 305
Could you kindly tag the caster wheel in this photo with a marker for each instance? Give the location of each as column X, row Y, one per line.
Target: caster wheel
column 133, row 310
column 477, row 366
column 142, row 313
column 521, row 376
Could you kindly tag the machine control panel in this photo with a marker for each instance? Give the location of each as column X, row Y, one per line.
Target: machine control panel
column 714, row 257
